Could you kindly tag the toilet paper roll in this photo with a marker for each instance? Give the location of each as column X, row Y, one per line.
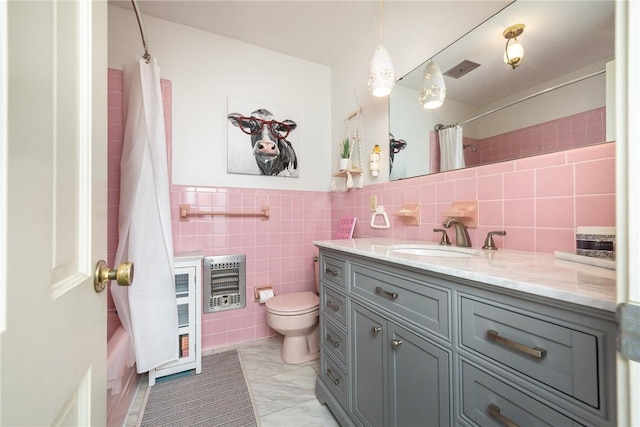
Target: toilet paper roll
column 265, row 295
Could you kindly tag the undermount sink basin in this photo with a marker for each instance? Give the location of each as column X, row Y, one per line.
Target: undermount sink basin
column 433, row 251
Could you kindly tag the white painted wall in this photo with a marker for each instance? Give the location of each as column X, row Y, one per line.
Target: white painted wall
column 205, row 69
column 585, row 95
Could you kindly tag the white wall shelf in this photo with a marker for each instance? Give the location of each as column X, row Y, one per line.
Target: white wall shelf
column 188, row 282
column 343, row 173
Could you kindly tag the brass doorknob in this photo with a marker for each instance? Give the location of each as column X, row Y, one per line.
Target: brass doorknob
column 123, row 275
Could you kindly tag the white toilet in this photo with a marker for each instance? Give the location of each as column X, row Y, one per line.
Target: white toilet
column 295, row 316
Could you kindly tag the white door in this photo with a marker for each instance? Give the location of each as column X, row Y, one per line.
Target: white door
column 53, row 345
column 628, row 194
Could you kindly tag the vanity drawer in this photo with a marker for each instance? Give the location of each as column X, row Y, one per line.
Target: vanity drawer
column 558, row 356
column 416, row 300
column 334, row 341
column 333, row 270
column 334, row 377
column 334, row 305
column 489, row 401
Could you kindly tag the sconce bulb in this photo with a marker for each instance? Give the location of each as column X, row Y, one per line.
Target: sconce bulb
column 513, row 53
column 382, row 75
column 432, row 88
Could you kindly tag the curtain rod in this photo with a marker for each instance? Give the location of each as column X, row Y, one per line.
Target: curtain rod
column 146, row 55
column 542, row 92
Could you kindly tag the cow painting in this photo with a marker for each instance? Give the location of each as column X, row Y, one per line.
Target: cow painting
column 273, row 153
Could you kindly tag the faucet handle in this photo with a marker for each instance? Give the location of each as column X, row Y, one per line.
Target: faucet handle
column 445, row 239
column 488, row 242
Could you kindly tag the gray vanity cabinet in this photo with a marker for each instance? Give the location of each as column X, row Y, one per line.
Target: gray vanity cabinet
column 528, row 363
column 399, row 377
column 370, row 372
column 406, row 347
column 333, row 385
column 490, row 401
column 420, row 385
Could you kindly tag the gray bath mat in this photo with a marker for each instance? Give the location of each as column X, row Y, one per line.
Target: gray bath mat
column 218, row 396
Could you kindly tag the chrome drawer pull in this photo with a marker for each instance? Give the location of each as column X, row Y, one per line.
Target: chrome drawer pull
column 336, row 381
column 390, row 295
column 333, row 342
column 375, row 330
column 536, row 352
column 330, row 271
column 395, row 344
column 494, row 411
column 332, row 305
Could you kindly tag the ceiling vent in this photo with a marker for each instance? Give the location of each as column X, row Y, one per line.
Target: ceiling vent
column 461, row 69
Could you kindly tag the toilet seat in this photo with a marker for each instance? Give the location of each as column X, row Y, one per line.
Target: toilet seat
column 293, row 304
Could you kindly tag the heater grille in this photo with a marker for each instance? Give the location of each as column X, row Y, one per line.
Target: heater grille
column 224, row 283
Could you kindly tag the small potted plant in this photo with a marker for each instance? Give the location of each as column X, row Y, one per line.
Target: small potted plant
column 345, row 154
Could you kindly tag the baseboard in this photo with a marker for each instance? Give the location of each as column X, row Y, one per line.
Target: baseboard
column 325, row 397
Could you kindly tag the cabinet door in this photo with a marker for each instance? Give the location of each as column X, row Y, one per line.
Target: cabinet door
column 369, row 367
column 185, row 282
column 419, row 377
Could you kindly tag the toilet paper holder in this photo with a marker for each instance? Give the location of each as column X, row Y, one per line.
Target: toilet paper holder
column 258, row 289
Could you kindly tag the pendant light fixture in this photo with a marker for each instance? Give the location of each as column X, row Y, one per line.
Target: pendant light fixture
column 432, row 87
column 382, row 75
column 513, row 51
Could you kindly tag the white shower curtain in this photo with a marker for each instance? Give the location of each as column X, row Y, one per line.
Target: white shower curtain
column 147, row 308
column 451, row 149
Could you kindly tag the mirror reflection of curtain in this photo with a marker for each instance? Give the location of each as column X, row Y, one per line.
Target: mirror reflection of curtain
column 451, row 150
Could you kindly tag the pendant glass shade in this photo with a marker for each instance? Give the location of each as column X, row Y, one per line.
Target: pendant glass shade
column 432, row 88
column 513, row 53
column 382, row 75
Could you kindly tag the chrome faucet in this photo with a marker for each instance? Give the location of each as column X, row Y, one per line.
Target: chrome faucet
column 462, row 235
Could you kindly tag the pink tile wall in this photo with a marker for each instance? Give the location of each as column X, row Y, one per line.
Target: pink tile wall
column 569, row 132
column 115, row 138
column 538, row 201
column 279, row 250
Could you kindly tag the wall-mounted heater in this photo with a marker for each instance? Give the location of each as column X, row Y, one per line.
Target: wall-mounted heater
column 225, row 283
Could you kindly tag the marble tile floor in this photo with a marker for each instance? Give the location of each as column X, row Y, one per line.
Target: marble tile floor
column 283, row 395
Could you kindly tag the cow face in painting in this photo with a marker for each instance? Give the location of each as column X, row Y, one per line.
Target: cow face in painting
column 273, row 153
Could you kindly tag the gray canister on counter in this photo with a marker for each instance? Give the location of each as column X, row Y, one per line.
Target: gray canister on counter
column 597, row 242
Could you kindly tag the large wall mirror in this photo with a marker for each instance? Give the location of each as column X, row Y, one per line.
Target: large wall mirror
column 556, row 99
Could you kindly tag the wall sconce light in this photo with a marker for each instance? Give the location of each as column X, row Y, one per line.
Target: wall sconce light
column 382, row 75
column 513, row 51
column 432, row 87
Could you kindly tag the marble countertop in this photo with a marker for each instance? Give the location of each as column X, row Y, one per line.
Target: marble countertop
column 529, row 272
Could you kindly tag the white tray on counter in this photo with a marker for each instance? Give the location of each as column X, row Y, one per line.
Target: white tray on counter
column 597, row 262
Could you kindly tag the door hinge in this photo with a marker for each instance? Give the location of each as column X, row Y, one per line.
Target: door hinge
column 628, row 330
